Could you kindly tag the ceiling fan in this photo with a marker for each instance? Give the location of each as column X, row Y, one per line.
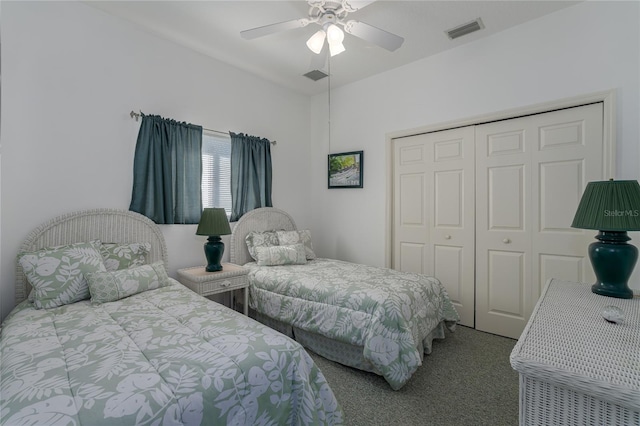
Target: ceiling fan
column 330, row 16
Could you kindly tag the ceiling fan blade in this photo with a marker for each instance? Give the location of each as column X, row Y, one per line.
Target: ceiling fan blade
column 374, row 35
column 353, row 5
column 274, row 28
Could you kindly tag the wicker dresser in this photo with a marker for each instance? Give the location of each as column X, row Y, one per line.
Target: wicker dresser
column 575, row 367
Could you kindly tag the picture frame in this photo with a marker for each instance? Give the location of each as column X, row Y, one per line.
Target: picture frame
column 345, row 170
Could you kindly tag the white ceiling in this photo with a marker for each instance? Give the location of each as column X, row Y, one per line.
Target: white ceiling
column 213, row 28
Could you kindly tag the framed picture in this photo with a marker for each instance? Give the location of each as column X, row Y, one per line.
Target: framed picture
column 345, row 169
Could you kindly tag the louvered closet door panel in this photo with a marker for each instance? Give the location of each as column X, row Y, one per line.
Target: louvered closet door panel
column 445, row 166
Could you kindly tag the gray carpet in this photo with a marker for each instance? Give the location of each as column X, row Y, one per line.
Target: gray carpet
column 466, row 380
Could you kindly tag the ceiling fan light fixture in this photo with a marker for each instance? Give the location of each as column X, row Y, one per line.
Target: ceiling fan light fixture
column 326, row 14
column 316, row 42
column 336, row 48
column 335, row 36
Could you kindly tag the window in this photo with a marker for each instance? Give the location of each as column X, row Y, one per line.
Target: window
column 216, row 171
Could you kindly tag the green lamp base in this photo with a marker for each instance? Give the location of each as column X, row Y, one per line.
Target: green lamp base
column 213, row 250
column 613, row 261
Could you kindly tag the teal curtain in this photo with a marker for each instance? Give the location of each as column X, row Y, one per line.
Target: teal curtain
column 167, row 171
column 250, row 174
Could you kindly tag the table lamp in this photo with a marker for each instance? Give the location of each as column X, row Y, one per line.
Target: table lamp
column 613, row 208
column 213, row 223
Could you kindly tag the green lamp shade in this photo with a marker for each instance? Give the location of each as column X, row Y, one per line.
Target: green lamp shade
column 213, row 223
column 613, row 208
column 612, row 205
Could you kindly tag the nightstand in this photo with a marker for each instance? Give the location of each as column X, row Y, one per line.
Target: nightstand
column 232, row 277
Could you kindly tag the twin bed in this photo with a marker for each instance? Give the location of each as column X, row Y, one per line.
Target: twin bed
column 144, row 350
column 374, row 319
column 106, row 337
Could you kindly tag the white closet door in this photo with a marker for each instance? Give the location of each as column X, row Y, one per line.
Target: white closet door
column 410, row 193
column 503, row 225
column 434, row 211
column 530, row 174
column 568, row 155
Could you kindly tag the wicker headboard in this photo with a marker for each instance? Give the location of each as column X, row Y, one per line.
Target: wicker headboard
column 259, row 220
column 107, row 225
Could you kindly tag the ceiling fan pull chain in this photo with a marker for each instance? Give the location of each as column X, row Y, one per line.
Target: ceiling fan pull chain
column 329, row 99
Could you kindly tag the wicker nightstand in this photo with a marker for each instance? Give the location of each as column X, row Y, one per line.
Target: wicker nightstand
column 575, row 367
column 232, row 277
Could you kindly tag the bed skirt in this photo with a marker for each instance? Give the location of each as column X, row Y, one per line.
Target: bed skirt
column 340, row 352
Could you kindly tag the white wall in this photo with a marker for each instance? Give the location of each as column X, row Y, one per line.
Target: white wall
column 70, row 76
column 590, row 47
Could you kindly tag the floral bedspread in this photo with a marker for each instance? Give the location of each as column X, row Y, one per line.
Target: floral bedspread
column 162, row 357
column 387, row 312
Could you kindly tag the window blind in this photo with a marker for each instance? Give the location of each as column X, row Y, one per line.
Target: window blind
column 216, row 171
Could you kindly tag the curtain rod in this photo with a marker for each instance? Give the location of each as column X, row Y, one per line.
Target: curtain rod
column 136, row 115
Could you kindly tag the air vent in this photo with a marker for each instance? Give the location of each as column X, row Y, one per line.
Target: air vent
column 465, row 29
column 316, row 75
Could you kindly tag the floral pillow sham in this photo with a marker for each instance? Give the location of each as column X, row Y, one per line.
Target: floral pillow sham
column 260, row 239
column 281, row 255
column 57, row 274
column 110, row 286
column 256, row 239
column 294, row 237
column 118, row 256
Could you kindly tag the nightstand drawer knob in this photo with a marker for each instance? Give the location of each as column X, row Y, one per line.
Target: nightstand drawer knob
column 225, row 284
